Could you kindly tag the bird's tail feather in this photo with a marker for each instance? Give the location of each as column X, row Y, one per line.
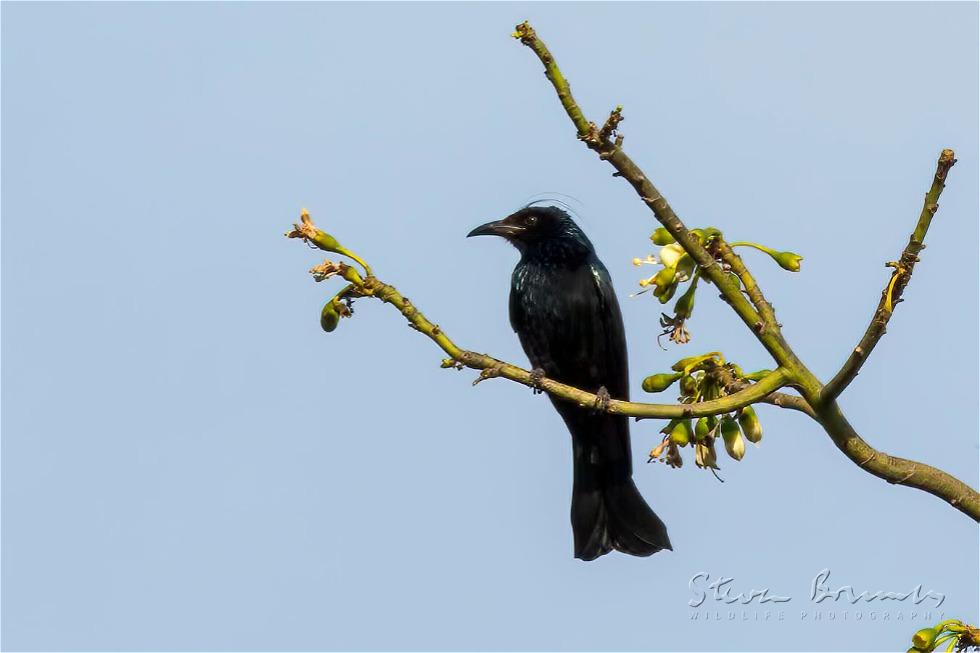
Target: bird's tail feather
column 632, row 525
column 611, row 514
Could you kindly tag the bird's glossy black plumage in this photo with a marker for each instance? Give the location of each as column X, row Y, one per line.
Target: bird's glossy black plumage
column 565, row 312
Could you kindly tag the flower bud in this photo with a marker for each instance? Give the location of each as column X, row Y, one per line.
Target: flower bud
column 659, row 382
column 679, row 431
column 684, row 363
column 682, row 433
column 329, row 316
column 734, row 444
column 692, row 361
column 661, row 236
column 924, row 638
column 787, row 260
column 750, row 424
column 701, row 429
column 332, row 311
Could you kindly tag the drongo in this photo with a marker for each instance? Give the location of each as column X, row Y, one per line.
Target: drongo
column 564, row 310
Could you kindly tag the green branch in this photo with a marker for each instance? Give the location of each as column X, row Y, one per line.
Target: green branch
column 899, row 471
column 611, row 151
column 756, row 312
column 370, row 286
column 717, row 263
column 892, row 294
column 778, row 399
column 723, row 250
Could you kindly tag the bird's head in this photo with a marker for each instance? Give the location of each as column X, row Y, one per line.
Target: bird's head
column 544, row 228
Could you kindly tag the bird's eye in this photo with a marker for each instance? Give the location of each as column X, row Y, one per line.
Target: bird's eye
column 531, row 220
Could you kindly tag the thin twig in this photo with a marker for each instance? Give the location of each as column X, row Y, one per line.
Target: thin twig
column 892, row 294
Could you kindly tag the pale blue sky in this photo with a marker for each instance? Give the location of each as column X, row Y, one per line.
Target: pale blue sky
column 190, row 463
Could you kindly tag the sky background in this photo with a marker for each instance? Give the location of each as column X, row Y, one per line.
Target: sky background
column 190, row 463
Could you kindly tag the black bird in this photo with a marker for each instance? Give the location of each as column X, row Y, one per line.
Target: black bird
column 564, row 310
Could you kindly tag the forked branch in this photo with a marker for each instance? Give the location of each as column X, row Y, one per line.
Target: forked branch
column 717, row 263
column 756, row 312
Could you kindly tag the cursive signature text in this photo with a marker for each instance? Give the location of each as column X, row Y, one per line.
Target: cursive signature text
column 820, row 591
column 722, row 591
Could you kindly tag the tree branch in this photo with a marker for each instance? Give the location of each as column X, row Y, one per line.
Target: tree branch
column 734, row 261
column 897, row 470
column 780, row 399
column 892, row 294
column 490, row 367
column 755, row 311
column 612, row 152
column 894, row 470
column 792, row 402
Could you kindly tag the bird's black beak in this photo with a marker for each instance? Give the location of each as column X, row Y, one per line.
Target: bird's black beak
column 496, row 228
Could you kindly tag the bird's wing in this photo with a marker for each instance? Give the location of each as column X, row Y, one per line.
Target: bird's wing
column 613, row 338
column 570, row 325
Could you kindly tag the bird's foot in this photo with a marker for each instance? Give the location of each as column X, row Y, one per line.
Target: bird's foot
column 602, row 399
column 537, row 375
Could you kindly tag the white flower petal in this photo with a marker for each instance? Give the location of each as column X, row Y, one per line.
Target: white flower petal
column 671, row 254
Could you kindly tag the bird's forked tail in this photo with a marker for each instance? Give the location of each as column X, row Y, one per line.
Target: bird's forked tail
column 608, row 512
